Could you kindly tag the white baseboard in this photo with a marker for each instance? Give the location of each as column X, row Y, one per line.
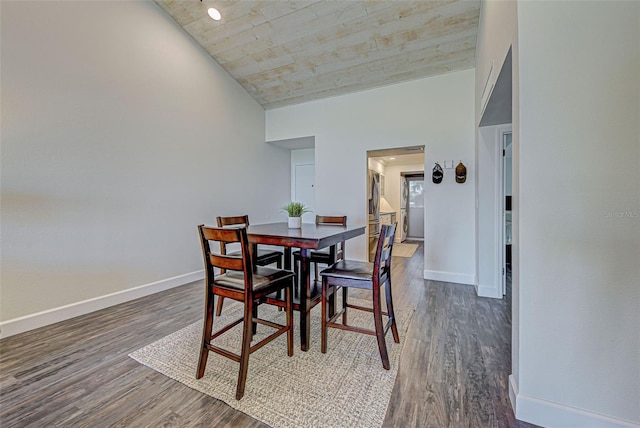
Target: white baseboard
column 62, row 313
column 513, row 392
column 550, row 414
column 457, row 278
column 489, row 291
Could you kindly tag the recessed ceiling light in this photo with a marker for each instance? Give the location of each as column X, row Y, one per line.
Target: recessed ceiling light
column 214, row 14
column 392, row 158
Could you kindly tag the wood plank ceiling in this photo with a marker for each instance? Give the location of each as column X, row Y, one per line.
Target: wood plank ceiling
column 289, row 52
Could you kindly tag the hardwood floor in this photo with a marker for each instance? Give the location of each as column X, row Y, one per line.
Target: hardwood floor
column 453, row 371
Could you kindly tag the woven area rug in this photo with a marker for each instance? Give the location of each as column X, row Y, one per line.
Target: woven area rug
column 346, row 387
column 403, row 250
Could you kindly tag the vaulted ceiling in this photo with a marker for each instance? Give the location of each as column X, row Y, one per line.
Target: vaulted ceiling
column 289, row 52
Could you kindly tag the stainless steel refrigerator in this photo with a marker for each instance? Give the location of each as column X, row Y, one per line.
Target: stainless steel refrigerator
column 401, row 232
column 373, row 194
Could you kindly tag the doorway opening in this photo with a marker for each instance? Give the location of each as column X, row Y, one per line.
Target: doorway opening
column 385, row 191
column 506, row 139
column 413, row 222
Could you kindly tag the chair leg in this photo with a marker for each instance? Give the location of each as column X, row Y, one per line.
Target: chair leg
column 377, row 318
column 279, row 292
column 344, row 305
column 392, row 316
column 323, row 323
column 296, row 268
column 331, row 302
column 206, row 336
column 219, row 306
column 315, row 271
column 289, row 308
column 247, row 334
column 254, row 314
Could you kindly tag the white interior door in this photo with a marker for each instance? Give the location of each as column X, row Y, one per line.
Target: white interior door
column 305, row 181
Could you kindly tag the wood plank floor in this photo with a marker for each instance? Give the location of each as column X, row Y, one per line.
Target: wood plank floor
column 453, row 371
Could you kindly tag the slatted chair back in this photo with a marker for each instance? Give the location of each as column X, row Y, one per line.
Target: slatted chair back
column 325, row 219
column 337, row 252
column 224, row 262
column 239, row 220
column 261, row 257
column 227, row 222
column 382, row 260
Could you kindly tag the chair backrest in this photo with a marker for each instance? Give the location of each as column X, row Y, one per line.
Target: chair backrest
column 224, row 262
column 334, row 221
column 237, row 221
column 382, row 261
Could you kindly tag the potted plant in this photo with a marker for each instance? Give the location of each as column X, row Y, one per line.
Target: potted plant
column 295, row 211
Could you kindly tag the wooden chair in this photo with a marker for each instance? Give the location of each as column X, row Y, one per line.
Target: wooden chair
column 264, row 257
column 347, row 274
column 327, row 256
column 242, row 283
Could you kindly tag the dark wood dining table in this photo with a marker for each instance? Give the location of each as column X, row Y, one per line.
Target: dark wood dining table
column 308, row 237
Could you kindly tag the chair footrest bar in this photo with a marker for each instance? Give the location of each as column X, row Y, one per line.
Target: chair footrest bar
column 362, row 308
column 386, row 327
column 336, row 315
column 267, row 339
column 226, row 328
column 224, row 352
column 268, row 323
column 351, row 328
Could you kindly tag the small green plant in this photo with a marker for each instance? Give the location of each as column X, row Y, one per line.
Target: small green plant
column 295, row 209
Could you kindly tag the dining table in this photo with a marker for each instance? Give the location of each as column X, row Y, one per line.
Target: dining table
column 308, row 237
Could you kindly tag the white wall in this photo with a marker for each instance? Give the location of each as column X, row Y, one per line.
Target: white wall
column 580, row 206
column 576, row 196
column 436, row 112
column 302, row 157
column 497, row 33
column 119, row 136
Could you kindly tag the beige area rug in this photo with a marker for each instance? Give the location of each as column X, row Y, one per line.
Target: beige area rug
column 403, row 250
column 346, row 387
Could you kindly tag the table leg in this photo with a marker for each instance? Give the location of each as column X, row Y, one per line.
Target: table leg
column 305, row 302
column 332, row 297
column 287, row 258
column 253, row 251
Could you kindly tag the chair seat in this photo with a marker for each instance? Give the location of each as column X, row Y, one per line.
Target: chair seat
column 317, row 256
column 266, row 255
column 263, row 277
column 261, row 253
column 350, row 269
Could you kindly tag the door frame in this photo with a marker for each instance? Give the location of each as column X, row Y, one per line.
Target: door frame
column 500, row 193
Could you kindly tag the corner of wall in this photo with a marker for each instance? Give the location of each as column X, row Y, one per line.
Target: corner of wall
column 457, row 278
column 489, row 291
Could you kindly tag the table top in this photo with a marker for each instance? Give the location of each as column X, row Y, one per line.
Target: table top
column 309, row 235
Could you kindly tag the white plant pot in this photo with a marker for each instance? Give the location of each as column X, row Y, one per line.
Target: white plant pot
column 295, row 222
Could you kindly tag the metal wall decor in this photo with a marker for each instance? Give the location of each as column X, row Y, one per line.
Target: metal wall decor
column 460, row 171
column 437, row 173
